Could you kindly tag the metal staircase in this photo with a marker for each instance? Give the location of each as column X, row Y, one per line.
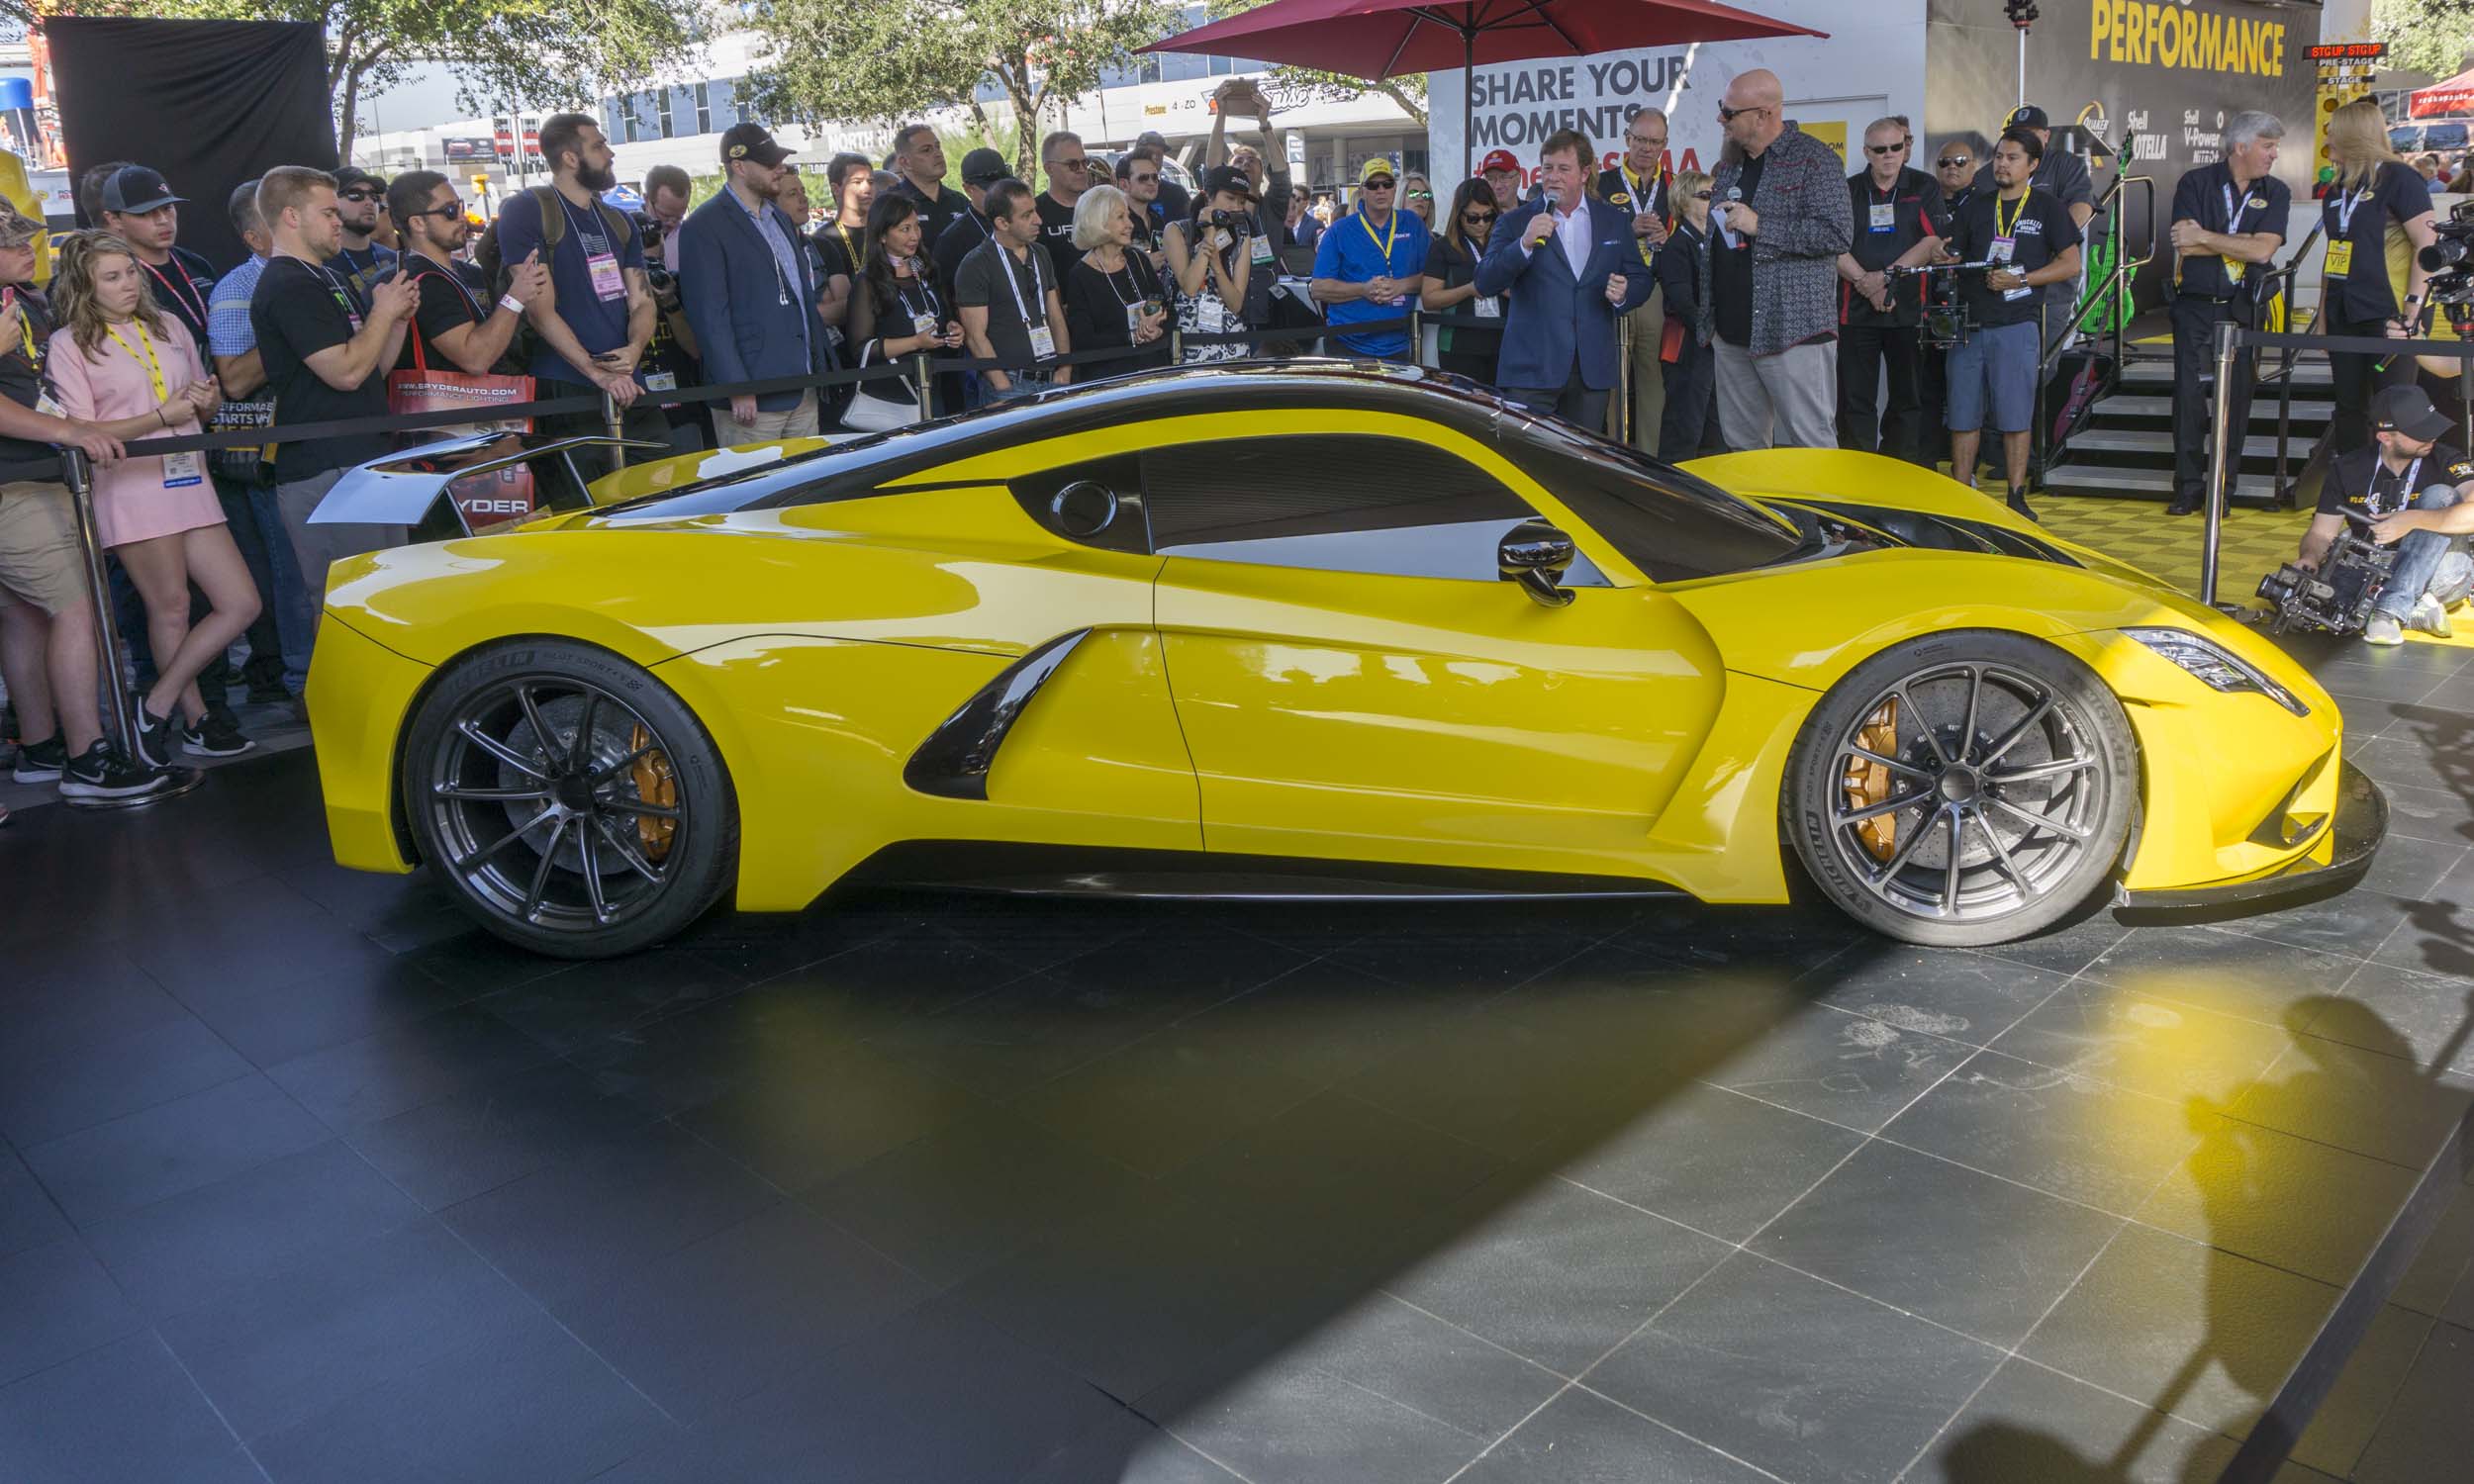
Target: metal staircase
column 2126, row 449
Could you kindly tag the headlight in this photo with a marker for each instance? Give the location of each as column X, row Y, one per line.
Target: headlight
column 2216, row 666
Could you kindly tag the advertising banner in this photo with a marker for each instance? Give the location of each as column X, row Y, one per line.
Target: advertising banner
column 1873, row 64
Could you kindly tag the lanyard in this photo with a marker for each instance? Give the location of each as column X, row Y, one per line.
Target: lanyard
column 1128, row 269
column 1999, row 231
column 1392, row 231
column 191, row 302
column 1644, row 195
column 2346, row 203
column 154, row 368
column 848, row 245
column 2405, row 485
column 904, row 296
column 1039, row 287
column 26, row 333
column 2233, row 218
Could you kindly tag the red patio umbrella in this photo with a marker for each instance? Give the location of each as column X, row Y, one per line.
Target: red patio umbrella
column 1379, row 39
column 2456, row 96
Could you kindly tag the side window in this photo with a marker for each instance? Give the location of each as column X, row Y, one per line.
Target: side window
column 1380, row 506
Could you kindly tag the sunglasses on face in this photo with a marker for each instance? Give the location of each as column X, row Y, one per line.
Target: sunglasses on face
column 1069, row 164
column 1142, row 179
column 1477, row 219
column 1380, row 185
column 1884, row 149
column 1956, row 163
column 1421, row 195
column 1727, row 114
column 359, row 194
column 451, row 209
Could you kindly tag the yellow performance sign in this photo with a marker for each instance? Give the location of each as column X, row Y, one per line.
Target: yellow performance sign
column 2175, row 36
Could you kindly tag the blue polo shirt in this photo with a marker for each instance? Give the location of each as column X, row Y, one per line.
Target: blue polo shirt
column 1353, row 252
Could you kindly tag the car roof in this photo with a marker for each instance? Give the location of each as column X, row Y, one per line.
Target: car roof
column 863, row 466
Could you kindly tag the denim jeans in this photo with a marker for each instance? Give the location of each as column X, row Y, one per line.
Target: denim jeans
column 289, row 601
column 2418, row 558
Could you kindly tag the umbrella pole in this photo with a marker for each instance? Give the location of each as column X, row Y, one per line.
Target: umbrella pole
column 1468, row 94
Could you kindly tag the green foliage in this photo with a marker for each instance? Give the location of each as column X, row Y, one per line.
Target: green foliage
column 884, row 62
column 2425, row 35
column 529, row 53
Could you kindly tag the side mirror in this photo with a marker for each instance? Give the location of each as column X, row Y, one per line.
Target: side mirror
column 1535, row 556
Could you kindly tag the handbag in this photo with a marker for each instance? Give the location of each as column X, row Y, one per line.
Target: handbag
column 482, row 499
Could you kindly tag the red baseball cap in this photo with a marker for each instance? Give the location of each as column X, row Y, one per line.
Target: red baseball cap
column 1500, row 159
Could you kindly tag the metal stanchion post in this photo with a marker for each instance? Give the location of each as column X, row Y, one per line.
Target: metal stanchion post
column 927, row 385
column 1623, row 379
column 1177, row 347
column 121, row 707
column 1417, row 334
column 2222, row 459
column 612, row 419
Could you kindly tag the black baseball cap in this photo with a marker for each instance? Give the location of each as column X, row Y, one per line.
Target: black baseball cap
column 2027, row 115
column 1226, row 178
column 984, row 167
column 2408, row 411
column 750, row 141
column 134, row 190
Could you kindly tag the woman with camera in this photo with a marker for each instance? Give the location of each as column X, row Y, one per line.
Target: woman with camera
column 1209, row 261
column 896, row 310
column 1451, row 284
column 2377, row 215
column 1113, row 299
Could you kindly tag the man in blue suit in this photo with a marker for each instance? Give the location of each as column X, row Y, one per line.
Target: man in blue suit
column 1563, row 256
column 747, row 291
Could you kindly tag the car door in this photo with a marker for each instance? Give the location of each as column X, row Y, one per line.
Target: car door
column 1355, row 680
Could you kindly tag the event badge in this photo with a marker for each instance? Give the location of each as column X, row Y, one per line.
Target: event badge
column 2339, row 258
column 1210, row 317
column 661, row 381
column 923, row 325
column 606, row 284
column 1133, row 320
column 1262, row 249
column 1043, row 341
column 184, row 469
column 1884, row 216
column 2001, row 249
column 44, row 405
column 1486, row 308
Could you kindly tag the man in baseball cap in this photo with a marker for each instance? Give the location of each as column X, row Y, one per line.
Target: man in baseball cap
column 751, row 142
column 1500, row 170
column 361, row 201
column 980, row 169
column 137, row 207
column 2415, row 489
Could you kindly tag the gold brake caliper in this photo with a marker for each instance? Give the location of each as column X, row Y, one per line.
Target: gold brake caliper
column 655, row 784
column 1868, row 783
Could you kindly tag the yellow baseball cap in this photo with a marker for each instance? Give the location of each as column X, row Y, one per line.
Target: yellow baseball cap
column 1376, row 166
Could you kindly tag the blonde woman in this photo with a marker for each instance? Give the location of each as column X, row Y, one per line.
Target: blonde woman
column 1417, row 195
column 2377, row 216
column 118, row 363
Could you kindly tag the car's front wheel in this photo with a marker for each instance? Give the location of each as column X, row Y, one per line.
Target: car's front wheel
column 568, row 799
column 1964, row 789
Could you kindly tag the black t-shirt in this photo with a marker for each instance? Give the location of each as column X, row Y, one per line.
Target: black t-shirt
column 2360, row 484
column 840, row 247
column 1731, row 266
column 298, row 311
column 1011, row 312
column 1095, row 306
column 182, row 287
column 1453, row 268
column 21, row 380
column 2204, row 197
column 2040, row 229
column 969, row 231
column 1056, row 232
column 1174, row 204
column 935, row 215
column 2397, row 194
column 451, row 297
column 1887, row 223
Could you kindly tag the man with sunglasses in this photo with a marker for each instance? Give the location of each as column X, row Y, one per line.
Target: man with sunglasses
column 1954, row 171
column 363, row 198
column 1642, row 185
column 1370, row 262
column 1069, row 176
column 1138, row 176
column 1769, row 295
column 1897, row 213
column 457, row 325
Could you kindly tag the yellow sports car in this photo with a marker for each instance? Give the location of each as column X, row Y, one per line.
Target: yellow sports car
column 1314, row 631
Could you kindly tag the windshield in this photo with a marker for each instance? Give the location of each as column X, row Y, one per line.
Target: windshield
column 1671, row 526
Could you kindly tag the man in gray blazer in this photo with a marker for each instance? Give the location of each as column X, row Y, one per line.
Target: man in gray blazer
column 748, row 294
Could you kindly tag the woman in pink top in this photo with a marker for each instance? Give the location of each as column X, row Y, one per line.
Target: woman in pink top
column 119, row 363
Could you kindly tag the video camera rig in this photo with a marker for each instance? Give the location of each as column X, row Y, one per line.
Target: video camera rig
column 1945, row 313
column 2336, row 598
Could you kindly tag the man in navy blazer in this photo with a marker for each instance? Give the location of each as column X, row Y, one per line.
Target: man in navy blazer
column 747, row 291
column 1564, row 258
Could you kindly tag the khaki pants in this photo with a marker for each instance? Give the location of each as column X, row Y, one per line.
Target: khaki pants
column 1785, row 401
column 1649, row 375
column 795, row 421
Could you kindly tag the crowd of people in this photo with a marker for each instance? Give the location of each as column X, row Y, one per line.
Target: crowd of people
column 1774, row 301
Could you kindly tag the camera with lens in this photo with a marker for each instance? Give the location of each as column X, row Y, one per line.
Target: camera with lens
column 1236, row 222
column 2450, row 260
column 2336, row 598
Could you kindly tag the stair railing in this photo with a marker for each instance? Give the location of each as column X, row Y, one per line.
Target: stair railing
column 2113, row 295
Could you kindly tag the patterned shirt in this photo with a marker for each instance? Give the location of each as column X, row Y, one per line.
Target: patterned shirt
column 227, row 331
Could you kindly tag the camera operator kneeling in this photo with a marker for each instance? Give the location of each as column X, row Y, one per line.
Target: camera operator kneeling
column 2380, row 482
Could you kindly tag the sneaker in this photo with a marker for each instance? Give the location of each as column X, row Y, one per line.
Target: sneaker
column 103, row 772
column 2430, row 616
column 42, row 761
column 215, row 737
column 2383, row 630
column 154, row 738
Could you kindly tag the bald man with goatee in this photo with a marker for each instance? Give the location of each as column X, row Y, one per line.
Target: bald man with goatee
column 1779, row 217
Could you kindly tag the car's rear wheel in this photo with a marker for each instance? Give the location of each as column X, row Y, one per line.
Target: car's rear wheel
column 1964, row 789
column 568, row 799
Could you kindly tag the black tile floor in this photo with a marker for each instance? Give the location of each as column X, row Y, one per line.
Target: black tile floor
column 304, row 1180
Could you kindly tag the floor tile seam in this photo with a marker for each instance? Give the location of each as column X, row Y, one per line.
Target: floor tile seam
column 2239, row 928
column 2213, row 1429
column 2010, row 1352
column 1665, row 1425
column 935, row 1288
column 253, row 1072
column 1461, row 1329
column 1388, row 1399
column 2421, row 1346
column 1188, row 1444
column 211, row 1405
column 2119, row 933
